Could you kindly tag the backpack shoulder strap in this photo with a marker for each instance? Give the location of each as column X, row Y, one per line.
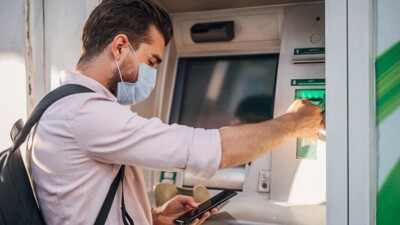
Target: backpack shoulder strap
column 107, row 203
column 35, row 116
column 48, row 100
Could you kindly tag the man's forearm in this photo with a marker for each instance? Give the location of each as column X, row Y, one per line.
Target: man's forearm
column 241, row 144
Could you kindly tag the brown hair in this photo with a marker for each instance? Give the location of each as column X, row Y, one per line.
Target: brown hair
column 130, row 17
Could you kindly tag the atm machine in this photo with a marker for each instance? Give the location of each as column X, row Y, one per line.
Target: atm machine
column 233, row 66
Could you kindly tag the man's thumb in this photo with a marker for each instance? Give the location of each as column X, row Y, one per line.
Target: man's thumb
column 186, row 200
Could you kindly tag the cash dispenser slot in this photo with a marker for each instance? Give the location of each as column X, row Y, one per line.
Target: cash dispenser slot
column 306, row 147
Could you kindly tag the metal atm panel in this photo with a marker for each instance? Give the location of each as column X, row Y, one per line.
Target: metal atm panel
column 298, row 167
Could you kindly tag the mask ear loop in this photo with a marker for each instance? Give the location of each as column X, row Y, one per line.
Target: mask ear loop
column 137, row 58
column 120, row 75
column 119, row 71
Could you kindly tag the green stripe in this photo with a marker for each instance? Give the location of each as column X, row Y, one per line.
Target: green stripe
column 388, row 100
column 388, row 93
column 388, row 81
column 387, row 59
column 389, row 199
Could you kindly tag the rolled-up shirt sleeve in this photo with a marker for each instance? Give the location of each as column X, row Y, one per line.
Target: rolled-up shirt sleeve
column 205, row 153
column 110, row 133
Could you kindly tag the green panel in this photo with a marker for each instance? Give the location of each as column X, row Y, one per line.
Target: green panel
column 389, row 199
column 309, row 51
column 306, row 147
column 388, row 81
column 316, row 96
column 307, row 82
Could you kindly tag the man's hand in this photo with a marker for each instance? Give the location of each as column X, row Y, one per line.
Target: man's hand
column 179, row 205
column 243, row 143
column 307, row 118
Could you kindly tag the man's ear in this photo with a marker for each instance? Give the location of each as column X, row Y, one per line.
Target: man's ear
column 118, row 45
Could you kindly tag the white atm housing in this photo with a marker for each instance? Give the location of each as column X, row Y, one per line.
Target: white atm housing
column 278, row 177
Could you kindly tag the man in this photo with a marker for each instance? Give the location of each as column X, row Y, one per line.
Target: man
column 82, row 140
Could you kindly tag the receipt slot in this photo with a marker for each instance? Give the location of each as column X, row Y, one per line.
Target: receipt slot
column 307, row 147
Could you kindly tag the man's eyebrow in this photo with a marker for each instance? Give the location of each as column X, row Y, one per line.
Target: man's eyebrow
column 159, row 60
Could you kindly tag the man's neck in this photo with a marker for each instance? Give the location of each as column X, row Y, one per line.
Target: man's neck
column 95, row 69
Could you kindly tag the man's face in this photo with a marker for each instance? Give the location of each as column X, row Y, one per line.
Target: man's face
column 150, row 54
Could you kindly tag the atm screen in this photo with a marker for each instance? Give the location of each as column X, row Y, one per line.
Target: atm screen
column 211, row 92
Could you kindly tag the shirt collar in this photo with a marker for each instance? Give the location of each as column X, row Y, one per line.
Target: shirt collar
column 69, row 77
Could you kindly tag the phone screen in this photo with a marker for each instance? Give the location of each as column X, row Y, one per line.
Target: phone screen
column 205, row 207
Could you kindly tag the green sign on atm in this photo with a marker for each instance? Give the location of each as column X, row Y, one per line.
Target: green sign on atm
column 309, row 51
column 307, row 82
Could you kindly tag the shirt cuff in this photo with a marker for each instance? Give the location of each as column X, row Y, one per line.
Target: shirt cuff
column 205, row 153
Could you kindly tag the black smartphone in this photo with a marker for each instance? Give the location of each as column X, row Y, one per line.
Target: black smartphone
column 204, row 207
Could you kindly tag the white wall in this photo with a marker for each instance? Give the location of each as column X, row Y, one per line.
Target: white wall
column 64, row 21
column 13, row 103
column 55, row 41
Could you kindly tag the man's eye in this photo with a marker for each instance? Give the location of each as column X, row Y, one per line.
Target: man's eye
column 151, row 64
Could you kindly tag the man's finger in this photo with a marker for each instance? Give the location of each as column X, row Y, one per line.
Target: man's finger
column 186, row 200
column 306, row 101
column 195, row 222
column 322, row 125
column 204, row 217
column 214, row 211
column 318, row 109
column 314, row 135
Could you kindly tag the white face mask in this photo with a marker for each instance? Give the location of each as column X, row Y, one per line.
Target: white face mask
column 134, row 93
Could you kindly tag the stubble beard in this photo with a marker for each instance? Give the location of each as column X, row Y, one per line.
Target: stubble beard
column 113, row 82
column 115, row 78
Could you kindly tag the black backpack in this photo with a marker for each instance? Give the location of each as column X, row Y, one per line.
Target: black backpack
column 18, row 205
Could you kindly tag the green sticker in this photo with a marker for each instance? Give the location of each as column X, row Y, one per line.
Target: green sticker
column 307, row 82
column 309, row 51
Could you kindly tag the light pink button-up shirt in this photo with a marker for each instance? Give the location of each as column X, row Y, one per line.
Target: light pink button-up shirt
column 81, row 141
